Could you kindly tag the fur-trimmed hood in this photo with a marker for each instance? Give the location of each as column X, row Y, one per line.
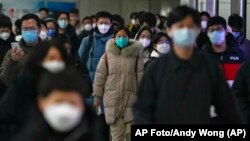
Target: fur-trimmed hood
column 133, row 49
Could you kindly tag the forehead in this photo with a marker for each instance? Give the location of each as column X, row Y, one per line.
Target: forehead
column 121, row 32
column 187, row 21
column 145, row 32
column 29, row 22
column 216, row 26
column 63, row 15
column 104, row 19
column 64, row 95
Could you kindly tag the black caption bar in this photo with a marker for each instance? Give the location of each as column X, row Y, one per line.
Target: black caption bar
column 190, row 132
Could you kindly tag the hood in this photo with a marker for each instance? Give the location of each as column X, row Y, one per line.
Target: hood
column 132, row 50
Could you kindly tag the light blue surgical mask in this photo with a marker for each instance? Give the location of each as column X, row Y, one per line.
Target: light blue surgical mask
column 217, row 37
column 63, row 23
column 121, row 42
column 184, row 37
column 236, row 34
column 30, row 36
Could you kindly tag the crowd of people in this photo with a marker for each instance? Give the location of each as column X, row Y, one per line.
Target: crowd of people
column 63, row 78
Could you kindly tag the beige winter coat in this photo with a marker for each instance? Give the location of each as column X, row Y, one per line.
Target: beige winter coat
column 117, row 77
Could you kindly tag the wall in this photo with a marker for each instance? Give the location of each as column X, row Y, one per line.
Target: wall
column 123, row 7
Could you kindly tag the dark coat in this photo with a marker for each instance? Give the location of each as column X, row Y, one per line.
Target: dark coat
column 244, row 44
column 5, row 46
column 229, row 60
column 39, row 130
column 173, row 91
column 241, row 89
column 18, row 102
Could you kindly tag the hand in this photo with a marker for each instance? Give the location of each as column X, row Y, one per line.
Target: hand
column 97, row 102
column 16, row 54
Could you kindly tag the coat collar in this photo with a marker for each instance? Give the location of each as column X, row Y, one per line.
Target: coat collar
column 155, row 54
column 177, row 63
column 132, row 50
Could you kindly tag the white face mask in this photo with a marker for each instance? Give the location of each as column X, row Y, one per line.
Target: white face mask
column 62, row 117
column 145, row 42
column 204, row 24
column 88, row 27
column 94, row 25
column 158, row 22
column 5, row 35
column 104, row 28
column 133, row 21
column 43, row 35
column 54, row 66
column 163, row 48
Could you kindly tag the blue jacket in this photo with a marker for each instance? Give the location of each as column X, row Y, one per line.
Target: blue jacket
column 95, row 53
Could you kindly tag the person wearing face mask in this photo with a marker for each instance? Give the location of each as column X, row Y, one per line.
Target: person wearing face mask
column 134, row 26
column 43, row 35
column 6, row 37
column 90, row 52
column 161, row 46
column 74, row 20
column 52, row 27
column 236, row 23
column 93, row 17
column 117, row 77
column 144, row 36
column 67, row 29
column 228, row 56
column 87, row 28
column 180, row 87
column 63, row 114
column 20, row 98
column 93, row 47
column 15, row 58
column 203, row 38
column 43, row 12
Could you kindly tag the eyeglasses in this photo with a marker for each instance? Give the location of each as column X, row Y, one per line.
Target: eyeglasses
column 216, row 29
column 29, row 29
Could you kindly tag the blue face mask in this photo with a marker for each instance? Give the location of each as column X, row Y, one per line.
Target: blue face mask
column 236, row 34
column 63, row 23
column 217, row 37
column 184, row 37
column 121, row 42
column 30, row 36
column 51, row 32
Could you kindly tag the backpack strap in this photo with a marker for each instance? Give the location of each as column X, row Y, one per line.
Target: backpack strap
column 90, row 44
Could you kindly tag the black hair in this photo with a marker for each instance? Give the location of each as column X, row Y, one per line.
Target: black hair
column 44, row 9
column 68, row 80
column 44, row 23
column 217, row 20
column 118, row 20
column 37, row 56
column 104, row 14
column 180, row 13
column 157, row 37
column 134, row 14
column 148, row 18
column 141, row 30
column 62, row 12
column 47, row 20
column 119, row 28
column 235, row 21
column 87, row 18
column 5, row 22
column 93, row 16
column 74, row 11
column 18, row 26
column 204, row 13
column 31, row 16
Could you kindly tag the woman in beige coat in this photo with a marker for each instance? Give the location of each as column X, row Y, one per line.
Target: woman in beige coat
column 117, row 77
